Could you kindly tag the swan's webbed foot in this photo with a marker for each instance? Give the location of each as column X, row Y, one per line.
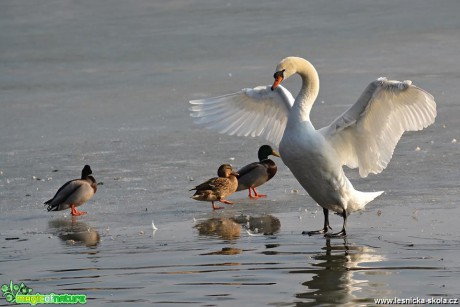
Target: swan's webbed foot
column 325, row 228
column 340, row 234
column 318, row 232
column 343, row 232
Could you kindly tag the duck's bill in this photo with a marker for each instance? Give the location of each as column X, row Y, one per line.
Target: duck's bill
column 276, row 154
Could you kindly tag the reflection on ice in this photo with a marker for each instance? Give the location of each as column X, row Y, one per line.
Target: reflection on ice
column 73, row 232
column 334, row 275
column 265, row 224
column 224, row 228
column 229, row 228
column 226, row 251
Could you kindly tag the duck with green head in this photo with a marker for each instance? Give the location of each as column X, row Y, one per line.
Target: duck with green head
column 218, row 188
column 256, row 174
column 74, row 193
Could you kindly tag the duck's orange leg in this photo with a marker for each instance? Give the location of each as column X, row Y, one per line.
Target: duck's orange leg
column 75, row 212
column 226, row 201
column 214, row 207
column 257, row 195
column 250, row 194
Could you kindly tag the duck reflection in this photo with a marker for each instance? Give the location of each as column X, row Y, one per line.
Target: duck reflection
column 229, row 228
column 333, row 280
column 74, row 232
column 224, row 228
column 228, row 251
column 265, row 224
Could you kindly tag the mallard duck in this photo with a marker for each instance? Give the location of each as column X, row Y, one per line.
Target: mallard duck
column 74, row 193
column 364, row 136
column 257, row 173
column 218, row 188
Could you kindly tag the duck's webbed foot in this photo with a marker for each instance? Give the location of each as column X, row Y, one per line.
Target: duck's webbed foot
column 75, row 212
column 256, row 195
column 214, row 207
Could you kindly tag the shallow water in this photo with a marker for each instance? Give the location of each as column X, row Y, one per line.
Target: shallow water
column 224, row 262
column 107, row 84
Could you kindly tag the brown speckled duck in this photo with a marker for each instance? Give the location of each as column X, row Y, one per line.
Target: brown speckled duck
column 74, row 193
column 257, row 173
column 218, row 188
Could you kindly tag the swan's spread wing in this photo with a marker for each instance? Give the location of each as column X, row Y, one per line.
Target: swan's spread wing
column 366, row 135
column 249, row 112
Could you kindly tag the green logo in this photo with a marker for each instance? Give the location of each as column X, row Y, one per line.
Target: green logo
column 10, row 291
column 21, row 294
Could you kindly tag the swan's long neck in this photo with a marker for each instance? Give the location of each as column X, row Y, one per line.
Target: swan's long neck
column 309, row 91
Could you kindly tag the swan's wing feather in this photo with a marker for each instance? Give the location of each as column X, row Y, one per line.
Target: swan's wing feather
column 366, row 135
column 250, row 112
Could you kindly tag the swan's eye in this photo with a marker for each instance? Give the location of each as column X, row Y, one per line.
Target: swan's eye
column 279, row 74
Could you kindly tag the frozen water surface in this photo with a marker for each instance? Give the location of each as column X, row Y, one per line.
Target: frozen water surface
column 107, row 83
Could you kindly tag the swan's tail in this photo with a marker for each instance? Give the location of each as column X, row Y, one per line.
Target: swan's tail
column 361, row 199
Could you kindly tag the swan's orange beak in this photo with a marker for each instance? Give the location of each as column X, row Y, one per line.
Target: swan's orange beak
column 279, row 76
column 277, row 82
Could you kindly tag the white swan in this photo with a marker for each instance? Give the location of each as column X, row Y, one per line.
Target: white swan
column 364, row 136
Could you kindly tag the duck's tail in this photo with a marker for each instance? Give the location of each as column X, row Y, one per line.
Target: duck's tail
column 361, row 199
column 51, row 206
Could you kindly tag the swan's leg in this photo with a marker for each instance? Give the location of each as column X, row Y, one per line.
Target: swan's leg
column 343, row 232
column 214, row 207
column 75, row 212
column 325, row 228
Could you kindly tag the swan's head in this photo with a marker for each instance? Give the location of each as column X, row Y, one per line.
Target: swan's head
column 285, row 69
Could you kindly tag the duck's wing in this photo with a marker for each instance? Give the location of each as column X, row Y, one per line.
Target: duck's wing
column 254, row 174
column 207, row 185
column 250, row 112
column 247, row 169
column 366, row 135
column 64, row 193
column 66, row 189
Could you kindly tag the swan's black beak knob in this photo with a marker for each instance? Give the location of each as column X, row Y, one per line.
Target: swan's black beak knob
column 279, row 76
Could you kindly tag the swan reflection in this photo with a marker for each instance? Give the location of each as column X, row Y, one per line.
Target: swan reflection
column 73, row 232
column 335, row 275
